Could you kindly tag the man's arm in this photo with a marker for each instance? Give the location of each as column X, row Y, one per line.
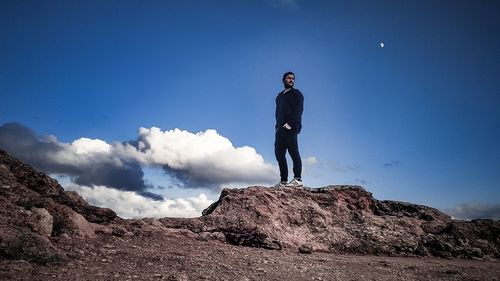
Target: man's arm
column 296, row 109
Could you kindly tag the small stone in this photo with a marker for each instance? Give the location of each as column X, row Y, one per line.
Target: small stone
column 104, row 230
column 384, row 263
column 202, row 238
column 44, row 220
column 119, row 231
column 305, row 249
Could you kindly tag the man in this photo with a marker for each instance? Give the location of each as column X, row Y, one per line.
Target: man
column 289, row 107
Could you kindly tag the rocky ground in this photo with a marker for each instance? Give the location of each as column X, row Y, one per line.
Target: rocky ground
column 174, row 256
column 254, row 233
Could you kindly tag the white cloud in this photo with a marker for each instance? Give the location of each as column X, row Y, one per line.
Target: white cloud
column 310, row 161
column 129, row 204
column 90, row 146
column 201, row 158
column 81, row 152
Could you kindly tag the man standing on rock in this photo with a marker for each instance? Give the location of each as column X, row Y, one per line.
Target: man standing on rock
column 289, row 107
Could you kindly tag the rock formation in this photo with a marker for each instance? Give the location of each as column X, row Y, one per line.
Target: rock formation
column 341, row 219
column 35, row 212
column 34, row 207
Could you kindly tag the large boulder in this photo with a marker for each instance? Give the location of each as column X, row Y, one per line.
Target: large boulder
column 340, row 219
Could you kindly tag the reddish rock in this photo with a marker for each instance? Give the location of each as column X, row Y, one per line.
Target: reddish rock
column 45, row 221
column 341, row 219
column 34, row 208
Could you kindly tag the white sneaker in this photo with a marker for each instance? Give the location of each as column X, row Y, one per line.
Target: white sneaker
column 281, row 184
column 295, row 183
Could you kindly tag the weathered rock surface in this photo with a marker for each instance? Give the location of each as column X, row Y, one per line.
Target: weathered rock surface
column 34, row 207
column 45, row 222
column 341, row 219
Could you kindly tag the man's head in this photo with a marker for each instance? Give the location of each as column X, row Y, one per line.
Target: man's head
column 288, row 79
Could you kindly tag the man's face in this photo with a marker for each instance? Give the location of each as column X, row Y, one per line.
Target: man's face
column 289, row 81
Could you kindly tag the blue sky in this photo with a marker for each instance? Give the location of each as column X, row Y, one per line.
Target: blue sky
column 417, row 120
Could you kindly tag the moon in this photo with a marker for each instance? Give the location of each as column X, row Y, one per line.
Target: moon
column 381, row 44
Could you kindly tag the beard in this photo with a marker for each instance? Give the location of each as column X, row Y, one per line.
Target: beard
column 287, row 86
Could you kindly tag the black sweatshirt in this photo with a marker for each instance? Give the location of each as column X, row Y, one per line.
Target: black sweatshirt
column 289, row 107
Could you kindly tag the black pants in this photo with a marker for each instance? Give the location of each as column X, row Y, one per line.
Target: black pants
column 287, row 140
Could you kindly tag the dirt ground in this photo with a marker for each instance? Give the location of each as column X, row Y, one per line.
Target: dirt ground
column 176, row 257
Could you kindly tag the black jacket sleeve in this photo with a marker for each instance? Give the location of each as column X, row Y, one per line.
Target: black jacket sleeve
column 296, row 108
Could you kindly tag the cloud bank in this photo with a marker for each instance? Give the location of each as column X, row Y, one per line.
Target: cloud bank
column 86, row 161
column 201, row 159
column 205, row 159
column 129, row 204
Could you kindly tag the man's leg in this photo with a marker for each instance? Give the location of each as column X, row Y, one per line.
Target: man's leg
column 279, row 152
column 293, row 149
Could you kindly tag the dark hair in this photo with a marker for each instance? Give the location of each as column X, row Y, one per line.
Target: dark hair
column 286, row 74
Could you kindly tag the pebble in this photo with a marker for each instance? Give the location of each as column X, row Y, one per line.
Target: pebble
column 305, row 249
column 260, row 269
